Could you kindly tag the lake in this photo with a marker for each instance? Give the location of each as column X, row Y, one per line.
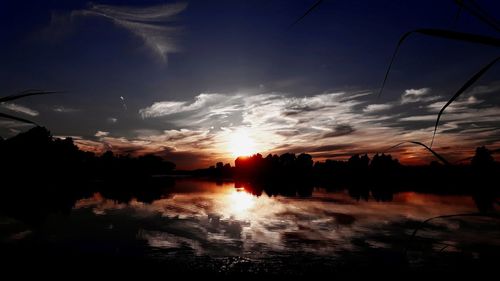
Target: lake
column 204, row 226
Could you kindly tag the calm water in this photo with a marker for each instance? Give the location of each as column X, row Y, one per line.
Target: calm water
column 196, row 220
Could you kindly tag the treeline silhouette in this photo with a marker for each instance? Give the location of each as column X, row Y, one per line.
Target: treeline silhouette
column 379, row 176
column 358, row 168
column 36, row 161
column 42, row 175
column 37, row 155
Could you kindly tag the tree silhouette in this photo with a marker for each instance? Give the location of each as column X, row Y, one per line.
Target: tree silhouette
column 483, row 158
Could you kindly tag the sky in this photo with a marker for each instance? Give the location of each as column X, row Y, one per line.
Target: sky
column 200, row 81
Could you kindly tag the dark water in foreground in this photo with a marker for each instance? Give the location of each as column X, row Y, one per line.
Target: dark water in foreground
column 200, row 226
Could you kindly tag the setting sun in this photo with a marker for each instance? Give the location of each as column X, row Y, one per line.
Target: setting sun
column 241, row 144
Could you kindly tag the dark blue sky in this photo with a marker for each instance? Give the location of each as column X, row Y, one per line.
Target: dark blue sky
column 92, row 53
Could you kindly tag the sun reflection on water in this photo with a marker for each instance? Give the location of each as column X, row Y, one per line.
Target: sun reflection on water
column 240, row 202
column 224, row 219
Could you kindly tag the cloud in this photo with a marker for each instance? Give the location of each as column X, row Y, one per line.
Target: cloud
column 12, row 124
column 270, row 118
column 188, row 149
column 339, row 130
column 324, row 148
column 63, row 109
column 429, row 117
column 153, row 24
column 325, row 125
column 456, row 106
column 20, row 109
column 101, row 134
column 111, row 120
column 485, row 89
column 164, row 108
column 417, row 95
column 377, row 107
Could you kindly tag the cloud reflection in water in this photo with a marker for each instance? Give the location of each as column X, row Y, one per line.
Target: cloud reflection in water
column 219, row 220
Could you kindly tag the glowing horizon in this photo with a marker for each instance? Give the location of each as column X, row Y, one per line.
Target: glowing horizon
column 327, row 126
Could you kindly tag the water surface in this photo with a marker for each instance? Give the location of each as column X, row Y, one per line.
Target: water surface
column 197, row 220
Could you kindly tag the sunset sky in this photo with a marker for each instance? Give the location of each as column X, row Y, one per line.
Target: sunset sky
column 204, row 81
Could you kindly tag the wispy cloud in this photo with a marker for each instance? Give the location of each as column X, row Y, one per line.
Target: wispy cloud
column 20, row 109
column 272, row 119
column 325, row 125
column 155, row 25
column 417, row 95
column 339, row 130
column 63, row 109
column 11, row 124
column 171, row 107
column 493, row 87
column 460, row 105
column 377, row 107
column 101, row 134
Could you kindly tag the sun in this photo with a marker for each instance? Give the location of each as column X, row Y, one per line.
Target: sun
column 241, row 144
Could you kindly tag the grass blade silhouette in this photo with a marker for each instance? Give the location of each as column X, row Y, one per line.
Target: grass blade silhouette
column 441, row 33
column 457, row 15
column 25, row 94
column 478, row 13
column 314, row 6
column 423, row 223
column 464, row 87
column 8, row 116
column 437, row 155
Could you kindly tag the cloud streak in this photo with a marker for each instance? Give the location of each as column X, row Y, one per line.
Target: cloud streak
column 154, row 25
column 101, row 134
column 20, row 108
column 164, row 108
column 63, row 109
column 325, row 125
column 377, row 107
column 417, row 95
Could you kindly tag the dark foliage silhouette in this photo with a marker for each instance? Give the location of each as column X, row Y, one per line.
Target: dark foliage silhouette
column 296, row 175
column 483, row 159
column 34, row 160
column 46, row 176
column 42, row 174
column 44, row 158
